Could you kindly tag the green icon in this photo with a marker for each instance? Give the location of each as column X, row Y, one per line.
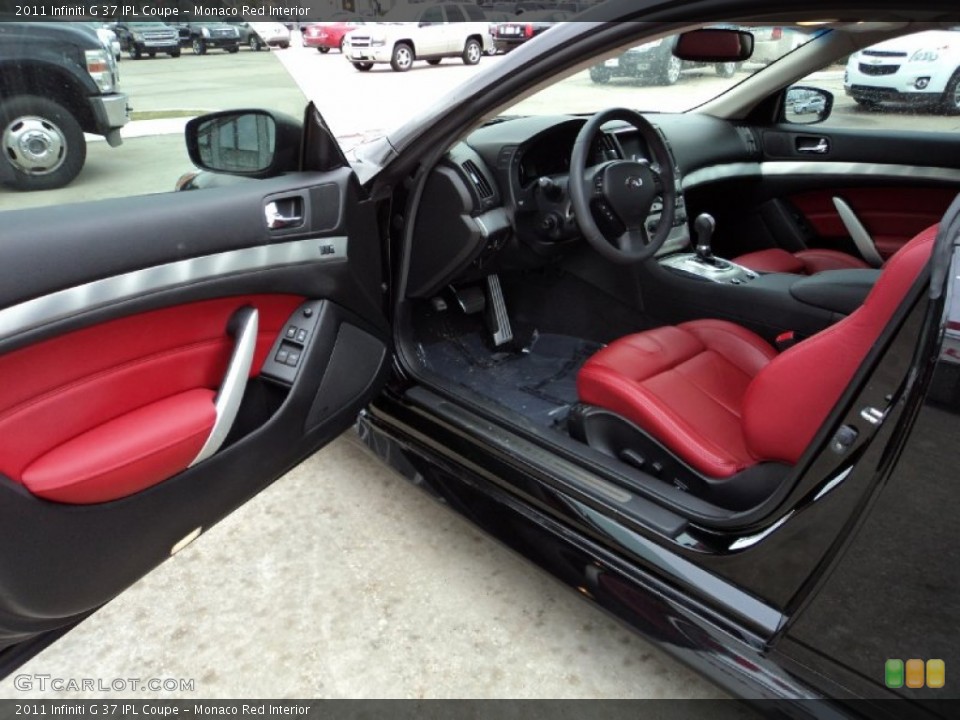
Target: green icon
column 893, row 673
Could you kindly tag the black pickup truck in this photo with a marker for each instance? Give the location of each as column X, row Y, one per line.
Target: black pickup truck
column 57, row 82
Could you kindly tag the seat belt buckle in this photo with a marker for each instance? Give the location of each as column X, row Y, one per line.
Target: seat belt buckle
column 786, row 340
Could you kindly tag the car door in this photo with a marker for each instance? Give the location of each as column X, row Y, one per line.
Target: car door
column 455, row 28
column 833, row 183
column 881, row 173
column 165, row 358
column 432, row 33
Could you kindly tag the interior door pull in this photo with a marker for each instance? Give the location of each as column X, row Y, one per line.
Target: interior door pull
column 243, row 326
column 860, row 235
column 813, row 145
column 279, row 217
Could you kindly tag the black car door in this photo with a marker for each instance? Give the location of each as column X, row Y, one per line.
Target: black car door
column 163, row 359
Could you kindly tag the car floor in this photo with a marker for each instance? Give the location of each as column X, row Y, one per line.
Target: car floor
column 558, row 322
column 536, row 380
column 343, row 580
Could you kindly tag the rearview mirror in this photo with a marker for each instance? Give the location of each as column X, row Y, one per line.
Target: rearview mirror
column 714, row 45
column 253, row 143
column 806, row 105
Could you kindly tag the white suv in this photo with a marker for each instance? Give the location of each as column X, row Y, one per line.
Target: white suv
column 443, row 30
column 923, row 67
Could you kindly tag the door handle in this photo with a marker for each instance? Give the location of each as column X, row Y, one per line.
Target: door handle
column 279, row 218
column 813, row 146
column 858, row 233
column 243, row 326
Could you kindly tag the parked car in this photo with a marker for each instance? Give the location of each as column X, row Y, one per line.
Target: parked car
column 802, row 101
column 510, row 34
column 436, row 32
column 147, row 38
column 203, row 36
column 57, row 82
column 922, row 69
column 108, row 37
column 259, row 35
column 541, row 313
column 772, row 43
column 654, row 61
column 327, row 36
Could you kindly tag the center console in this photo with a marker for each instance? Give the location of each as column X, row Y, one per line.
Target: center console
column 703, row 263
column 720, row 271
column 688, row 285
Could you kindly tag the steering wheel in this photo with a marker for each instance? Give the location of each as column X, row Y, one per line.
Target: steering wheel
column 622, row 192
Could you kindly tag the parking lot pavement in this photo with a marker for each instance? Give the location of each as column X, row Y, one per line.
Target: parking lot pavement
column 344, row 581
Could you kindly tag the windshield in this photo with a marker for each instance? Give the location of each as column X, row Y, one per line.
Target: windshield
column 649, row 78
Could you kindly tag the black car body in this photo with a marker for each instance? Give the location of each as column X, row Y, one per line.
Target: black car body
column 380, row 289
column 147, row 38
column 510, row 34
column 57, row 81
column 204, row 36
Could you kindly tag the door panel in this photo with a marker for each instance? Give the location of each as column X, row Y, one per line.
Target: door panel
column 115, row 369
column 897, row 183
column 127, row 329
column 892, row 215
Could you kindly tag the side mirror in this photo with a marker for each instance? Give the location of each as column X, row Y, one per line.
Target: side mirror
column 806, row 105
column 252, row 143
column 714, row 45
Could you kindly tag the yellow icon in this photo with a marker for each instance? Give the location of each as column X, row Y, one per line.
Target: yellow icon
column 914, row 673
column 936, row 673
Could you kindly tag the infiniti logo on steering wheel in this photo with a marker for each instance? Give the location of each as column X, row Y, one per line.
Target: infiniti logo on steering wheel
column 634, row 183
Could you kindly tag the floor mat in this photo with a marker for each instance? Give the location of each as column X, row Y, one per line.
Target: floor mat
column 538, row 382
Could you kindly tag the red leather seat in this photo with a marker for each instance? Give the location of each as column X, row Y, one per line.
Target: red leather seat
column 805, row 262
column 720, row 397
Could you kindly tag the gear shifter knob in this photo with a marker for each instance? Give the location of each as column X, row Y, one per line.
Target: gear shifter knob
column 704, row 226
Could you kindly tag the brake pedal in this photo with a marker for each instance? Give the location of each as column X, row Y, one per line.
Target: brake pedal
column 497, row 319
column 470, row 299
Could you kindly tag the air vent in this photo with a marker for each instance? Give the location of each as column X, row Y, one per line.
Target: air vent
column 479, row 179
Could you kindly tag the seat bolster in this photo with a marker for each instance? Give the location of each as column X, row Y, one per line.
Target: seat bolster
column 774, row 260
column 740, row 347
column 819, row 260
column 605, row 387
column 788, row 402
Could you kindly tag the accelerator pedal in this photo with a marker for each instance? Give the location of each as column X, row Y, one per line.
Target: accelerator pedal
column 498, row 321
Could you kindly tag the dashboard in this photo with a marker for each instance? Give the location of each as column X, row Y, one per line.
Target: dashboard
column 499, row 198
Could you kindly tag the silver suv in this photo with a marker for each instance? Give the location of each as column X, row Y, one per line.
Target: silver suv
column 440, row 31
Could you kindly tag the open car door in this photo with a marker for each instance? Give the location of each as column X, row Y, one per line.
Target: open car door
column 164, row 358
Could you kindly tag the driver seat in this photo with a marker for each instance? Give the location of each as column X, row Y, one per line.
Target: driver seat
column 722, row 400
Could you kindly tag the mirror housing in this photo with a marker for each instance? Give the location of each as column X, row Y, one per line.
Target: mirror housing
column 804, row 105
column 247, row 143
column 714, row 45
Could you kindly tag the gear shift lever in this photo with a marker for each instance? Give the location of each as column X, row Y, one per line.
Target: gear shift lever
column 704, row 226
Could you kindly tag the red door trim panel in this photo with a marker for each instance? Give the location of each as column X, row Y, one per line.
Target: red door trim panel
column 892, row 215
column 59, row 389
column 126, row 454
